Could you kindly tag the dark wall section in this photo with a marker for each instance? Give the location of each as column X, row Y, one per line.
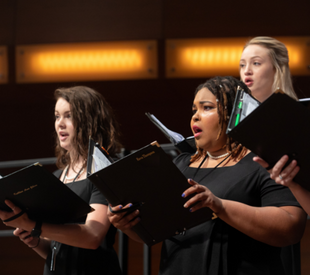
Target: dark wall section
column 93, row 20
column 27, row 109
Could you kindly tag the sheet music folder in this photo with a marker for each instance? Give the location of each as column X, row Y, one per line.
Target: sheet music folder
column 279, row 126
column 148, row 177
column 42, row 195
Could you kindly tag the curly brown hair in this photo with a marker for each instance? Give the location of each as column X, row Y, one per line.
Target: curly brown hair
column 225, row 90
column 92, row 117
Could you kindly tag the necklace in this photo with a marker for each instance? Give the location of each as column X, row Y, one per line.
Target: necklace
column 217, row 157
column 73, row 178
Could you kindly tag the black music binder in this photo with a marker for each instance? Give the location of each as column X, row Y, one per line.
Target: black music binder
column 43, row 196
column 149, row 178
column 279, row 126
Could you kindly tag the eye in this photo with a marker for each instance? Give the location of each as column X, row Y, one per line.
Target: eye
column 241, row 65
column 56, row 117
column 256, row 63
column 207, row 107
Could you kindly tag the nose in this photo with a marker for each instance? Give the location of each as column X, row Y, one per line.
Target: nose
column 247, row 70
column 195, row 116
column 60, row 122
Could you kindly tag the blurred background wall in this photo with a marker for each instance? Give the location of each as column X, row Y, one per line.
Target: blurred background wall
column 27, row 123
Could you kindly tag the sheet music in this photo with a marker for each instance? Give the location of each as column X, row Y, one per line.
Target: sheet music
column 249, row 105
column 174, row 135
column 100, row 161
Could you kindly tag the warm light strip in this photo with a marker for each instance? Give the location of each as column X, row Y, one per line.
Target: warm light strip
column 210, row 57
column 3, row 65
column 87, row 61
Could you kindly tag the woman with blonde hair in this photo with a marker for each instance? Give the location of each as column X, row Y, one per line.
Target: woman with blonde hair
column 264, row 68
column 261, row 53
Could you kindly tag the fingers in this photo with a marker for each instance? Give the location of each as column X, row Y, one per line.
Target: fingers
column 10, row 204
column 285, row 176
column 123, row 220
column 261, row 162
column 196, row 188
column 24, row 236
column 201, row 198
column 276, row 170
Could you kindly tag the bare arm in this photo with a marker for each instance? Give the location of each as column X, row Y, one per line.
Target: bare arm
column 277, row 226
column 125, row 222
column 88, row 235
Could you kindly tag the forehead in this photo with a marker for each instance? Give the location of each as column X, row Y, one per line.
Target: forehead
column 62, row 105
column 204, row 95
column 255, row 50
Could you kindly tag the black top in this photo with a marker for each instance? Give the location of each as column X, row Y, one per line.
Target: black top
column 214, row 247
column 80, row 261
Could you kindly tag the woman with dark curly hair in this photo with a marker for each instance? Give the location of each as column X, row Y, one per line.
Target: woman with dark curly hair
column 86, row 246
column 255, row 216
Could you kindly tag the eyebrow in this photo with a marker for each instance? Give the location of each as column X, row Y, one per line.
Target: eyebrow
column 253, row 57
column 65, row 112
column 202, row 102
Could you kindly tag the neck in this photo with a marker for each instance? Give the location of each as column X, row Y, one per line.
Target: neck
column 77, row 162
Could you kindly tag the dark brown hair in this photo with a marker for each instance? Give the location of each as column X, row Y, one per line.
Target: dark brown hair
column 225, row 90
column 92, row 117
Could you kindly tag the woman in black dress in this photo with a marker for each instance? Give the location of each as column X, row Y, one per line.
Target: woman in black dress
column 255, row 216
column 86, row 246
column 258, row 52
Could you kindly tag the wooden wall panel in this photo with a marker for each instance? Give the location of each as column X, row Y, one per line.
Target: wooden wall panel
column 7, row 22
column 184, row 19
column 94, row 20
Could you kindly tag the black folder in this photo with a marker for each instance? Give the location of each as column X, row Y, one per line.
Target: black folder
column 43, row 196
column 279, row 126
column 149, row 178
column 182, row 144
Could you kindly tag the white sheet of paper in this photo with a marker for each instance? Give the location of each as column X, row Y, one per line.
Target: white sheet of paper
column 100, row 161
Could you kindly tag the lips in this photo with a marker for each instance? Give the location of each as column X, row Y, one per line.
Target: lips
column 197, row 131
column 63, row 136
column 248, row 81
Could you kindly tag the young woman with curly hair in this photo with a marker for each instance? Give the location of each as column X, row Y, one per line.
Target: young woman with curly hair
column 254, row 215
column 86, row 246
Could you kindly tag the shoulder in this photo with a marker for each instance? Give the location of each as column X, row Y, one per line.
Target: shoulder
column 247, row 163
column 182, row 159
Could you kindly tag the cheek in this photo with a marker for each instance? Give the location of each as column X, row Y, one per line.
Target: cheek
column 268, row 75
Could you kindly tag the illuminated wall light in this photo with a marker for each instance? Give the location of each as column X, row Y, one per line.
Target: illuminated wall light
column 87, row 61
column 211, row 57
column 3, row 65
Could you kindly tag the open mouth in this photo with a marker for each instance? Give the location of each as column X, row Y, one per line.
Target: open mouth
column 63, row 136
column 248, row 81
column 197, row 131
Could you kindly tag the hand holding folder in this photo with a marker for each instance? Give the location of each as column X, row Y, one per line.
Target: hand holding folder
column 149, row 178
column 279, row 126
column 43, row 196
